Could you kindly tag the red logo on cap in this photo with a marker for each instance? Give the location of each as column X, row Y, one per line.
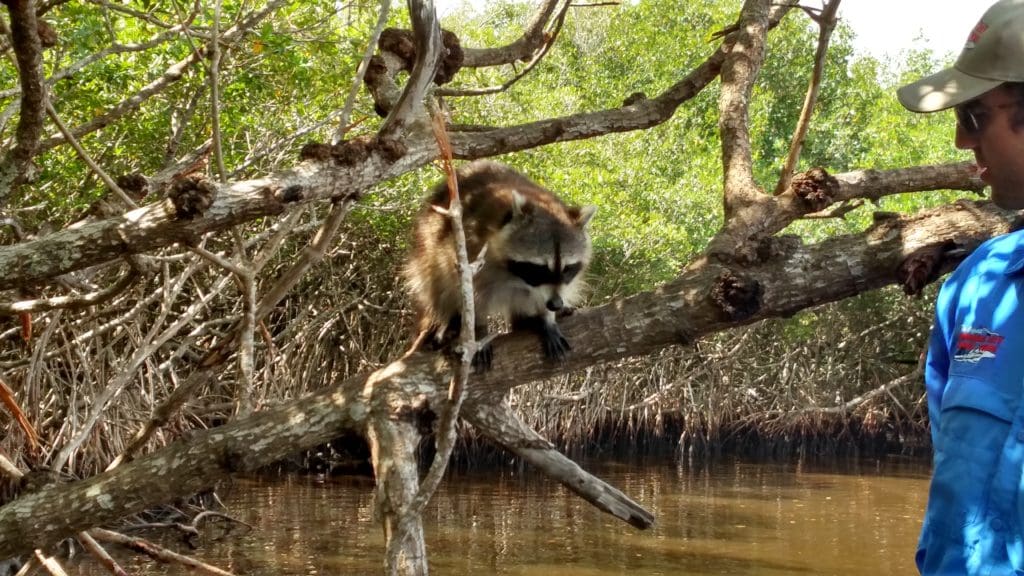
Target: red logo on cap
column 976, row 33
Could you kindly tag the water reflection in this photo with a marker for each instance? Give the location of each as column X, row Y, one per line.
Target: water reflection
column 727, row 518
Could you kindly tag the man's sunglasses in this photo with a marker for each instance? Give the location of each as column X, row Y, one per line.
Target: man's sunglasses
column 973, row 116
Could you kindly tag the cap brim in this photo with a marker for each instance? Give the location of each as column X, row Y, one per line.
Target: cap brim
column 945, row 89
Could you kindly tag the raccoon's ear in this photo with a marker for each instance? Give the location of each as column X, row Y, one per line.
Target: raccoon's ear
column 583, row 214
column 520, row 207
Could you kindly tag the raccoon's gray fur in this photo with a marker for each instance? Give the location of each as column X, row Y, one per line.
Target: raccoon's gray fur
column 535, row 250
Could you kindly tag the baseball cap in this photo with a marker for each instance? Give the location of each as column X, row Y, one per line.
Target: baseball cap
column 993, row 54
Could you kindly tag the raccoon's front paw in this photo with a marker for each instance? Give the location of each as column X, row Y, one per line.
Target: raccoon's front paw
column 483, row 357
column 556, row 347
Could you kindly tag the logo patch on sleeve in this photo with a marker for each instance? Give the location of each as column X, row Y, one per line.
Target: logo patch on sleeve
column 976, row 344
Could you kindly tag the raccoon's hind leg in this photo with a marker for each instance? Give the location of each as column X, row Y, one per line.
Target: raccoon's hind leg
column 484, row 352
column 556, row 347
column 434, row 338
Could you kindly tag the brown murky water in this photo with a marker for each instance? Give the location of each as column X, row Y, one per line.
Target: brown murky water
column 725, row 518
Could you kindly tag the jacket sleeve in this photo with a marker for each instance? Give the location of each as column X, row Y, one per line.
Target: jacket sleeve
column 936, row 368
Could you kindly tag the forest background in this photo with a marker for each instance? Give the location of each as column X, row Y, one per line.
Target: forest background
column 180, row 310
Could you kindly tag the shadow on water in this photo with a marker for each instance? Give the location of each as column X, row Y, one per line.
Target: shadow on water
column 725, row 517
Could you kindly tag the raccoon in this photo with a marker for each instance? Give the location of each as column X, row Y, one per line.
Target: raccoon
column 534, row 250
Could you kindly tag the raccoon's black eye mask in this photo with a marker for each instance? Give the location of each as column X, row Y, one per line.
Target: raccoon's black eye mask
column 538, row 275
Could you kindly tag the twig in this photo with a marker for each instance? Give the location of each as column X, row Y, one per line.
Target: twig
column 446, row 428
column 9, row 469
column 156, row 552
column 49, row 564
column 357, row 82
column 7, row 399
column 826, row 24
column 69, row 302
column 218, row 153
column 101, row 555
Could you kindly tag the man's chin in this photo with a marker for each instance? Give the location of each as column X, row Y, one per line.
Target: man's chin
column 1008, row 200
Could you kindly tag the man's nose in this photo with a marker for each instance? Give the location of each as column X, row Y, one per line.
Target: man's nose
column 964, row 140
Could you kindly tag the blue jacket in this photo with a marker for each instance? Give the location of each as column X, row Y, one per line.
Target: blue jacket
column 975, row 379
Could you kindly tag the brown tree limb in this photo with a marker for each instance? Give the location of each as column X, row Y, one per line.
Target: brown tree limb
column 100, row 554
column 156, row 552
column 520, row 49
column 499, row 422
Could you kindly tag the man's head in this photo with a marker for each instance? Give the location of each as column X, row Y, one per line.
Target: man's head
column 986, row 89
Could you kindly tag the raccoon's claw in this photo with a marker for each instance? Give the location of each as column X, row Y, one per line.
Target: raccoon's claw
column 556, row 347
column 483, row 357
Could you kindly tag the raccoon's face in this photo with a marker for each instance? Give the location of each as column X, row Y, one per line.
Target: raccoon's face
column 547, row 252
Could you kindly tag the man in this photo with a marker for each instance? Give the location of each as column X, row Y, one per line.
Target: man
column 974, row 375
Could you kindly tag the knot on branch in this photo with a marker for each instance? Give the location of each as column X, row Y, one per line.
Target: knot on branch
column 816, row 188
column 354, row 151
column 453, row 58
column 402, row 44
column 135, row 185
column 192, row 196
column 47, row 35
column 738, row 297
column 634, row 98
column 924, row 266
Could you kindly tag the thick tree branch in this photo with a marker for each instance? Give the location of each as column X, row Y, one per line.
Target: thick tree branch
column 634, row 114
column 739, row 72
column 153, row 226
column 547, row 40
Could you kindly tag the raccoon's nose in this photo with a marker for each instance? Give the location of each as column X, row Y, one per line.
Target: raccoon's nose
column 555, row 303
